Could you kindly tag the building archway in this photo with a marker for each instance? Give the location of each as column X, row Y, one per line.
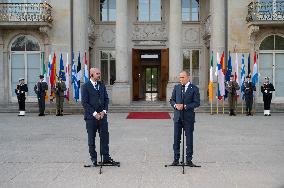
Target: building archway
column 271, row 64
column 25, row 62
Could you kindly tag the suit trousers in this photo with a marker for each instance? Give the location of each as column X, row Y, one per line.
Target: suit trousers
column 177, row 139
column 249, row 102
column 92, row 126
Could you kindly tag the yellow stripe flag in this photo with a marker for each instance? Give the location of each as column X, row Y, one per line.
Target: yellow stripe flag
column 210, row 86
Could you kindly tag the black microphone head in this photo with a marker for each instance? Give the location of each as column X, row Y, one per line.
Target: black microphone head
column 182, row 85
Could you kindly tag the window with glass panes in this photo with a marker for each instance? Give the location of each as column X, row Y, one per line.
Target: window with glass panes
column 108, row 75
column 149, row 10
column 190, row 10
column 191, row 64
column 107, row 10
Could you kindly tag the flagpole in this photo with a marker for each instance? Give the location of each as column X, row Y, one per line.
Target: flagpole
column 223, row 104
column 217, row 107
column 242, row 106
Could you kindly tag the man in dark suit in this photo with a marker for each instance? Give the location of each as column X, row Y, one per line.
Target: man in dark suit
column 40, row 89
column 95, row 103
column 185, row 98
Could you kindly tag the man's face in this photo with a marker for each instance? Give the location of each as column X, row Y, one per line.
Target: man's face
column 183, row 78
column 97, row 74
column 22, row 81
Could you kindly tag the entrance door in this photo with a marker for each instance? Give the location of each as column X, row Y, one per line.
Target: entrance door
column 151, row 83
column 150, row 74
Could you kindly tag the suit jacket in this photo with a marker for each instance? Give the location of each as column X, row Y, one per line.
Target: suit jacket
column 93, row 100
column 191, row 100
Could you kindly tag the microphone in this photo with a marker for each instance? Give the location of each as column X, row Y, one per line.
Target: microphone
column 182, row 87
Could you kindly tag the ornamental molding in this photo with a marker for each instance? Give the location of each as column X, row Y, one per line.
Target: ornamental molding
column 149, row 32
column 191, row 35
column 105, row 35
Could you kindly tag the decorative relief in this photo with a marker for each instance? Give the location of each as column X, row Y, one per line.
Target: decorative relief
column 91, row 28
column 252, row 31
column 105, row 35
column 149, row 34
column 191, row 35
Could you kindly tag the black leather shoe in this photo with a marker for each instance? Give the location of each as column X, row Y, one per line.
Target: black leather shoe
column 110, row 161
column 175, row 162
column 95, row 163
column 57, row 114
column 191, row 164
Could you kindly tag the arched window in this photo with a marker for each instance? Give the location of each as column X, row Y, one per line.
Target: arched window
column 25, row 62
column 272, row 42
column 271, row 63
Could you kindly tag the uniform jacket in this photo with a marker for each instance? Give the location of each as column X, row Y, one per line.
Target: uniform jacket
column 60, row 88
column 191, row 100
column 266, row 90
column 40, row 88
column 20, row 91
column 248, row 88
column 93, row 100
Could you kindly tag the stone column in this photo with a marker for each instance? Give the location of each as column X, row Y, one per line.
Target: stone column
column 80, row 27
column 121, row 93
column 2, row 88
column 175, row 45
column 217, row 40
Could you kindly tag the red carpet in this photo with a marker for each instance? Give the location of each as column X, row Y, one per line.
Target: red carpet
column 148, row 115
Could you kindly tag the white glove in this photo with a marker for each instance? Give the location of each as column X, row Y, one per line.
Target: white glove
column 95, row 113
column 265, row 91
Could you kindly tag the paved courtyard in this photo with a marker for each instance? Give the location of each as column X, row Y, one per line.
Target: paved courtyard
column 233, row 151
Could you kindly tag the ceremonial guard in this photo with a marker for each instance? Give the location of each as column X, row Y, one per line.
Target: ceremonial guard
column 40, row 89
column 20, row 91
column 248, row 88
column 266, row 90
column 60, row 88
column 232, row 86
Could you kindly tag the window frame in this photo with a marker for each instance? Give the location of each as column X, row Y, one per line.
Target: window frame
column 190, row 63
column 109, row 59
column 190, row 12
column 149, row 12
column 108, row 12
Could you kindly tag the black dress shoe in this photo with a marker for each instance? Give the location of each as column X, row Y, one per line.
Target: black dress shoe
column 57, row 114
column 175, row 162
column 110, row 161
column 191, row 164
column 95, row 163
column 41, row 115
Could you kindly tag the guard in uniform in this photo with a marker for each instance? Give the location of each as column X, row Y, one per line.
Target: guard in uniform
column 59, row 95
column 266, row 90
column 20, row 91
column 232, row 86
column 40, row 89
column 248, row 88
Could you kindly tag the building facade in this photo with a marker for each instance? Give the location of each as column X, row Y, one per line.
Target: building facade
column 139, row 45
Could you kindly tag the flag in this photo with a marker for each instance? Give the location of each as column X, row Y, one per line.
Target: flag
column 61, row 69
column 67, row 82
column 249, row 65
column 255, row 71
column 86, row 72
column 221, row 84
column 53, row 75
column 243, row 73
column 236, row 74
column 44, row 72
column 79, row 76
column 210, row 86
column 222, row 61
column 74, row 79
column 228, row 72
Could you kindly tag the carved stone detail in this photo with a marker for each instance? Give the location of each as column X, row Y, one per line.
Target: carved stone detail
column 149, row 32
column 105, row 35
column 191, row 35
column 91, row 29
column 44, row 30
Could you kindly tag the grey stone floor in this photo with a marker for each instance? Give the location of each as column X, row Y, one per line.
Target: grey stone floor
column 233, row 151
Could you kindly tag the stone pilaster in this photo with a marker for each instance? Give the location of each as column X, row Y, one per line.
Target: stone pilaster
column 2, row 88
column 217, row 41
column 121, row 91
column 175, row 45
column 80, row 26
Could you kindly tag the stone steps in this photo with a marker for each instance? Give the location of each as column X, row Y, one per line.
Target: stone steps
column 134, row 107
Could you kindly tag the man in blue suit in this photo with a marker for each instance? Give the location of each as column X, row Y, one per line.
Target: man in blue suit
column 185, row 98
column 95, row 102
